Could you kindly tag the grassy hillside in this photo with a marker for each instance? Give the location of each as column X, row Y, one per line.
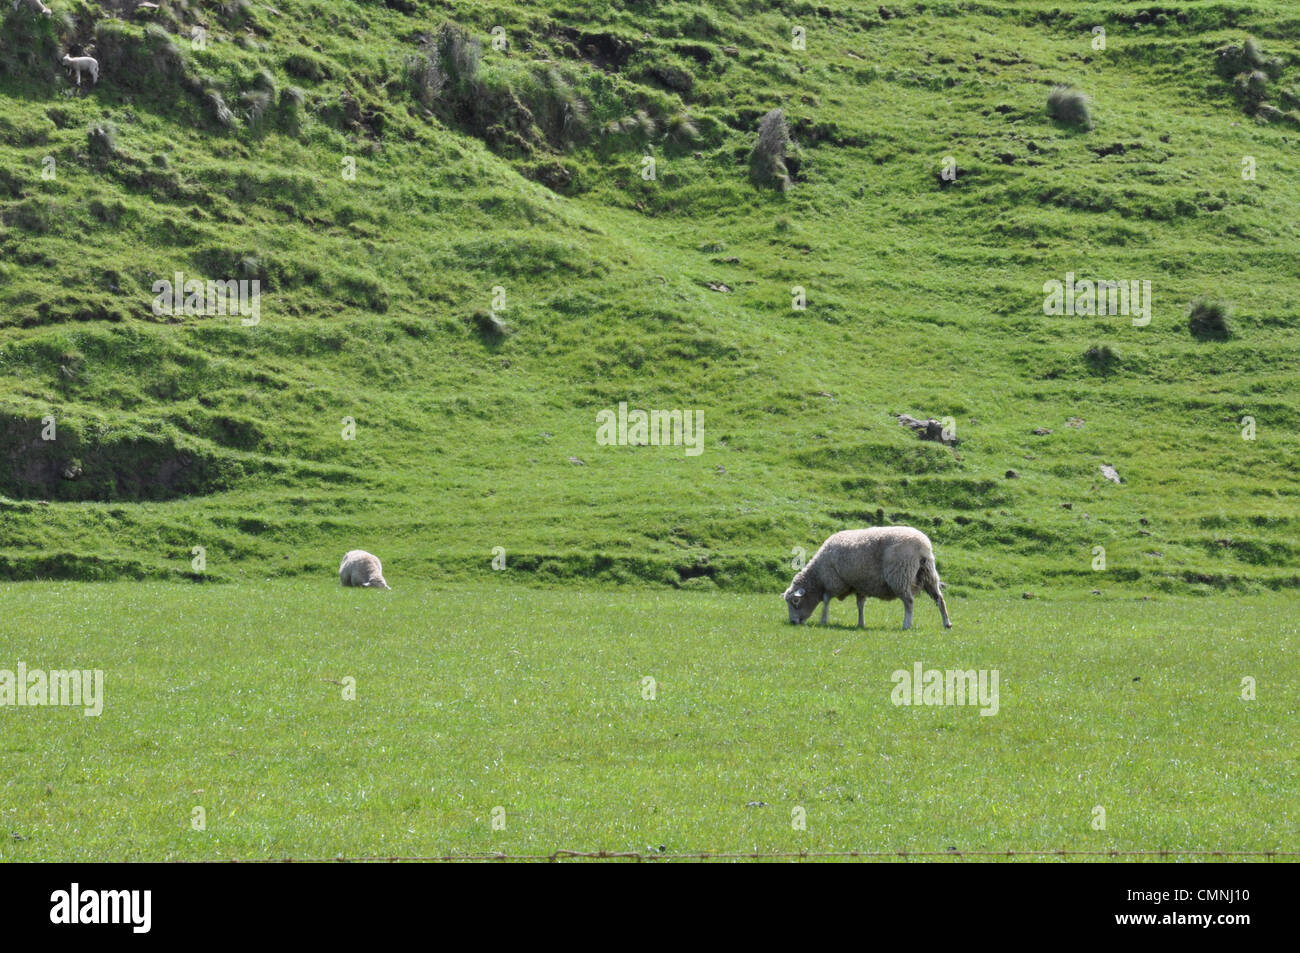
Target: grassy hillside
column 521, row 169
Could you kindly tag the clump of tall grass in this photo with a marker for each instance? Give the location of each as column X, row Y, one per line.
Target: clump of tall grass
column 141, row 61
column 236, row 12
column 459, row 56
column 767, row 161
column 307, row 66
column 255, row 103
column 509, row 107
column 101, row 140
column 639, row 125
column 1251, row 87
column 1070, row 106
column 489, row 326
column 250, row 267
column 264, row 81
column 30, row 44
column 1267, row 112
column 681, row 128
column 1210, row 320
column 214, row 105
column 1102, row 358
column 292, row 101
column 425, row 75
column 556, row 106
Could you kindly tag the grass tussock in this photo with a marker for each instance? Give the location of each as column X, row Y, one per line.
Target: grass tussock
column 101, row 141
column 768, row 162
column 1210, row 320
column 1070, row 106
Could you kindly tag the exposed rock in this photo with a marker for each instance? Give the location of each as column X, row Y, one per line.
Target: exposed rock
column 1109, row 473
column 929, row 429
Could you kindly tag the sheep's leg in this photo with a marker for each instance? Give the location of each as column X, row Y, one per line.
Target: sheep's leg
column 943, row 611
column 862, row 600
column 937, row 595
column 943, row 606
column 907, row 610
column 826, row 610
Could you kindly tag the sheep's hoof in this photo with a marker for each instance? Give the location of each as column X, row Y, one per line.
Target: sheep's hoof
column 947, row 625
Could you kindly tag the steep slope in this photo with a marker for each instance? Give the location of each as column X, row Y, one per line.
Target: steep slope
column 515, row 181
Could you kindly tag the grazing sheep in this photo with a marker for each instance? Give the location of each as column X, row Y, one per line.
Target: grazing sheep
column 359, row 568
column 35, row 6
column 79, row 63
column 887, row 562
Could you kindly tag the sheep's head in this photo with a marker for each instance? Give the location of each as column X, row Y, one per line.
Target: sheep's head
column 66, row 59
column 800, row 602
column 377, row 582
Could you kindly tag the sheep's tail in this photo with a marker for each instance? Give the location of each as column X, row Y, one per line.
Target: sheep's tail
column 913, row 570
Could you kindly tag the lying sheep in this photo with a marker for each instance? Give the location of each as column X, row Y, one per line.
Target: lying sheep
column 79, row 63
column 359, row 568
column 887, row 562
column 35, row 6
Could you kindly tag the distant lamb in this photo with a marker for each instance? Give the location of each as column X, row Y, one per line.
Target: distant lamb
column 359, row 568
column 35, row 6
column 887, row 562
column 79, row 63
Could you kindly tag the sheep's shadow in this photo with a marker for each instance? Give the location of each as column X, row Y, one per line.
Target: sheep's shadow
column 867, row 629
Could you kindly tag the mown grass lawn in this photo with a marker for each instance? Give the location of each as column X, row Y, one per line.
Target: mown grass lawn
column 225, row 698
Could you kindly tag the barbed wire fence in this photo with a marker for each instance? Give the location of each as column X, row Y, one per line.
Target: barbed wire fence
column 707, row 856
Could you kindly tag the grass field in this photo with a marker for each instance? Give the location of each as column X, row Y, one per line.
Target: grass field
column 470, row 699
column 463, row 262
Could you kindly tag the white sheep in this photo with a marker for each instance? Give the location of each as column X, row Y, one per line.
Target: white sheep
column 360, row 568
column 887, row 562
column 79, row 63
column 35, row 6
